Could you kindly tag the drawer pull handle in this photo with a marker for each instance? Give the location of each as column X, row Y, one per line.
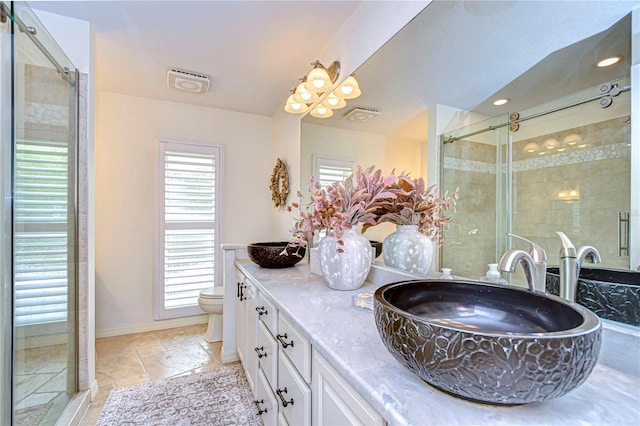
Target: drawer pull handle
column 281, row 338
column 284, row 401
column 241, row 295
column 260, row 410
column 261, row 310
column 260, row 352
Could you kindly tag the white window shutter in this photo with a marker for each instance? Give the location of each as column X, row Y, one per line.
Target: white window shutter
column 188, row 226
column 41, row 257
column 327, row 170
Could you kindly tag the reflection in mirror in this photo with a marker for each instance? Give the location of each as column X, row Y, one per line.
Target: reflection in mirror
column 445, row 68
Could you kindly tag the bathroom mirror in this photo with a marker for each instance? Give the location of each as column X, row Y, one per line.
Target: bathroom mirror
column 461, row 56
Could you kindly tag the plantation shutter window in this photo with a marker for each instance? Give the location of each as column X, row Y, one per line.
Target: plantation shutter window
column 328, row 170
column 42, row 265
column 188, row 226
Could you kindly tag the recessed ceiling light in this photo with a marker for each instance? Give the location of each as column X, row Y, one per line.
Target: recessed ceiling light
column 607, row 62
column 499, row 102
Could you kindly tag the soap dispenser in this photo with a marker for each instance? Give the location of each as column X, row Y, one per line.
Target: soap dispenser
column 446, row 274
column 493, row 275
column 540, row 259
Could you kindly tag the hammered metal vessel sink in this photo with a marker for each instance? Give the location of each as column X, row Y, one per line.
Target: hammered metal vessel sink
column 488, row 343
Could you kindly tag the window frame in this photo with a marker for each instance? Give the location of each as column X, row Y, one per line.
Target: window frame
column 162, row 145
column 321, row 160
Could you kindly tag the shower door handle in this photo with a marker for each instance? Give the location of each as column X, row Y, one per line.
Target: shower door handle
column 623, row 233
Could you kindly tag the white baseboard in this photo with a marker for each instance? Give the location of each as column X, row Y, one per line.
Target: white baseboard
column 94, row 389
column 154, row 326
column 230, row 356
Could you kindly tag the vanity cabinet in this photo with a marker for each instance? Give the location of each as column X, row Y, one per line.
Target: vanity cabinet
column 284, row 368
column 292, row 383
column 246, row 326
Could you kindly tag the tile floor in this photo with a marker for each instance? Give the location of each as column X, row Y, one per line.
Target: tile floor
column 134, row 359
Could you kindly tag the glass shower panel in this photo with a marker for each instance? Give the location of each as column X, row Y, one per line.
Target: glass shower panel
column 473, row 159
column 5, row 217
column 571, row 173
column 45, row 336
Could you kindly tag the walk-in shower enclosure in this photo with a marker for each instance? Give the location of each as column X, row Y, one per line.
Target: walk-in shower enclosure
column 38, row 249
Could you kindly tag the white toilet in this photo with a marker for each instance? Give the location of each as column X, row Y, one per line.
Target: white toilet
column 211, row 301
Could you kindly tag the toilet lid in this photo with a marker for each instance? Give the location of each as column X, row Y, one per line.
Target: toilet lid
column 215, row 293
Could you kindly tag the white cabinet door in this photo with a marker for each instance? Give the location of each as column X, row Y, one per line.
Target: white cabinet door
column 335, row 402
column 241, row 341
column 250, row 361
column 293, row 393
column 266, row 402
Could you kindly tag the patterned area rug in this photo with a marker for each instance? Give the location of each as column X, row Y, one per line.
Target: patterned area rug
column 218, row 397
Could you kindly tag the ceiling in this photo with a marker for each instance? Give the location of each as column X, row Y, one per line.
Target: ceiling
column 254, row 51
column 456, row 53
column 466, row 54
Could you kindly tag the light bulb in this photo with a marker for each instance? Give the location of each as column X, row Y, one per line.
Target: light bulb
column 551, row 144
column 318, row 79
column 321, row 111
column 349, row 88
column 334, row 102
column 303, row 95
column 572, row 139
column 294, row 107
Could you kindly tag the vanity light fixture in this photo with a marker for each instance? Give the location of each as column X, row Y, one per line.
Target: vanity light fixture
column 315, row 85
column 607, row 62
column 500, row 102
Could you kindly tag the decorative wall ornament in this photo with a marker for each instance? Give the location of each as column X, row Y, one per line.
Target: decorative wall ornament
column 279, row 184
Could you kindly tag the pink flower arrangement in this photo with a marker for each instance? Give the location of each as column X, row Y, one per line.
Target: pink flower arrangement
column 416, row 204
column 370, row 198
column 342, row 205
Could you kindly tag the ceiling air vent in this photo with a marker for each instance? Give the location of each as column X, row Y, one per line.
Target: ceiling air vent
column 361, row 114
column 188, row 81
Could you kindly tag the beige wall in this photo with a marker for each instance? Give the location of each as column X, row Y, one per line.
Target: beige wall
column 367, row 149
column 128, row 129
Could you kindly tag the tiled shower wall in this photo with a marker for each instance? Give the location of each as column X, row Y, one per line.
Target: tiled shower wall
column 596, row 167
column 471, row 167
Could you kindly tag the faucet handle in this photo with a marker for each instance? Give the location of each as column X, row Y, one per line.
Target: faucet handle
column 535, row 250
column 568, row 249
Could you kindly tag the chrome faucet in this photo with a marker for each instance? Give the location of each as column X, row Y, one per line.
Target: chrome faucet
column 510, row 259
column 570, row 262
column 539, row 257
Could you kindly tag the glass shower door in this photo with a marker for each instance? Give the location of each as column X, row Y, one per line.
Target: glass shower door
column 44, row 234
column 577, row 163
column 474, row 159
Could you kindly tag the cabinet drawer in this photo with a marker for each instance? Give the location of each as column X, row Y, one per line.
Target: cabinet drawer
column 267, row 354
column 297, row 348
column 266, row 402
column 268, row 313
column 293, row 393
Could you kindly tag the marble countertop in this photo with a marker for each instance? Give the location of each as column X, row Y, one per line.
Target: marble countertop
column 347, row 337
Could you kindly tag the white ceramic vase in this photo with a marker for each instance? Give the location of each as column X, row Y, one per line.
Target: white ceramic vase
column 347, row 270
column 408, row 249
